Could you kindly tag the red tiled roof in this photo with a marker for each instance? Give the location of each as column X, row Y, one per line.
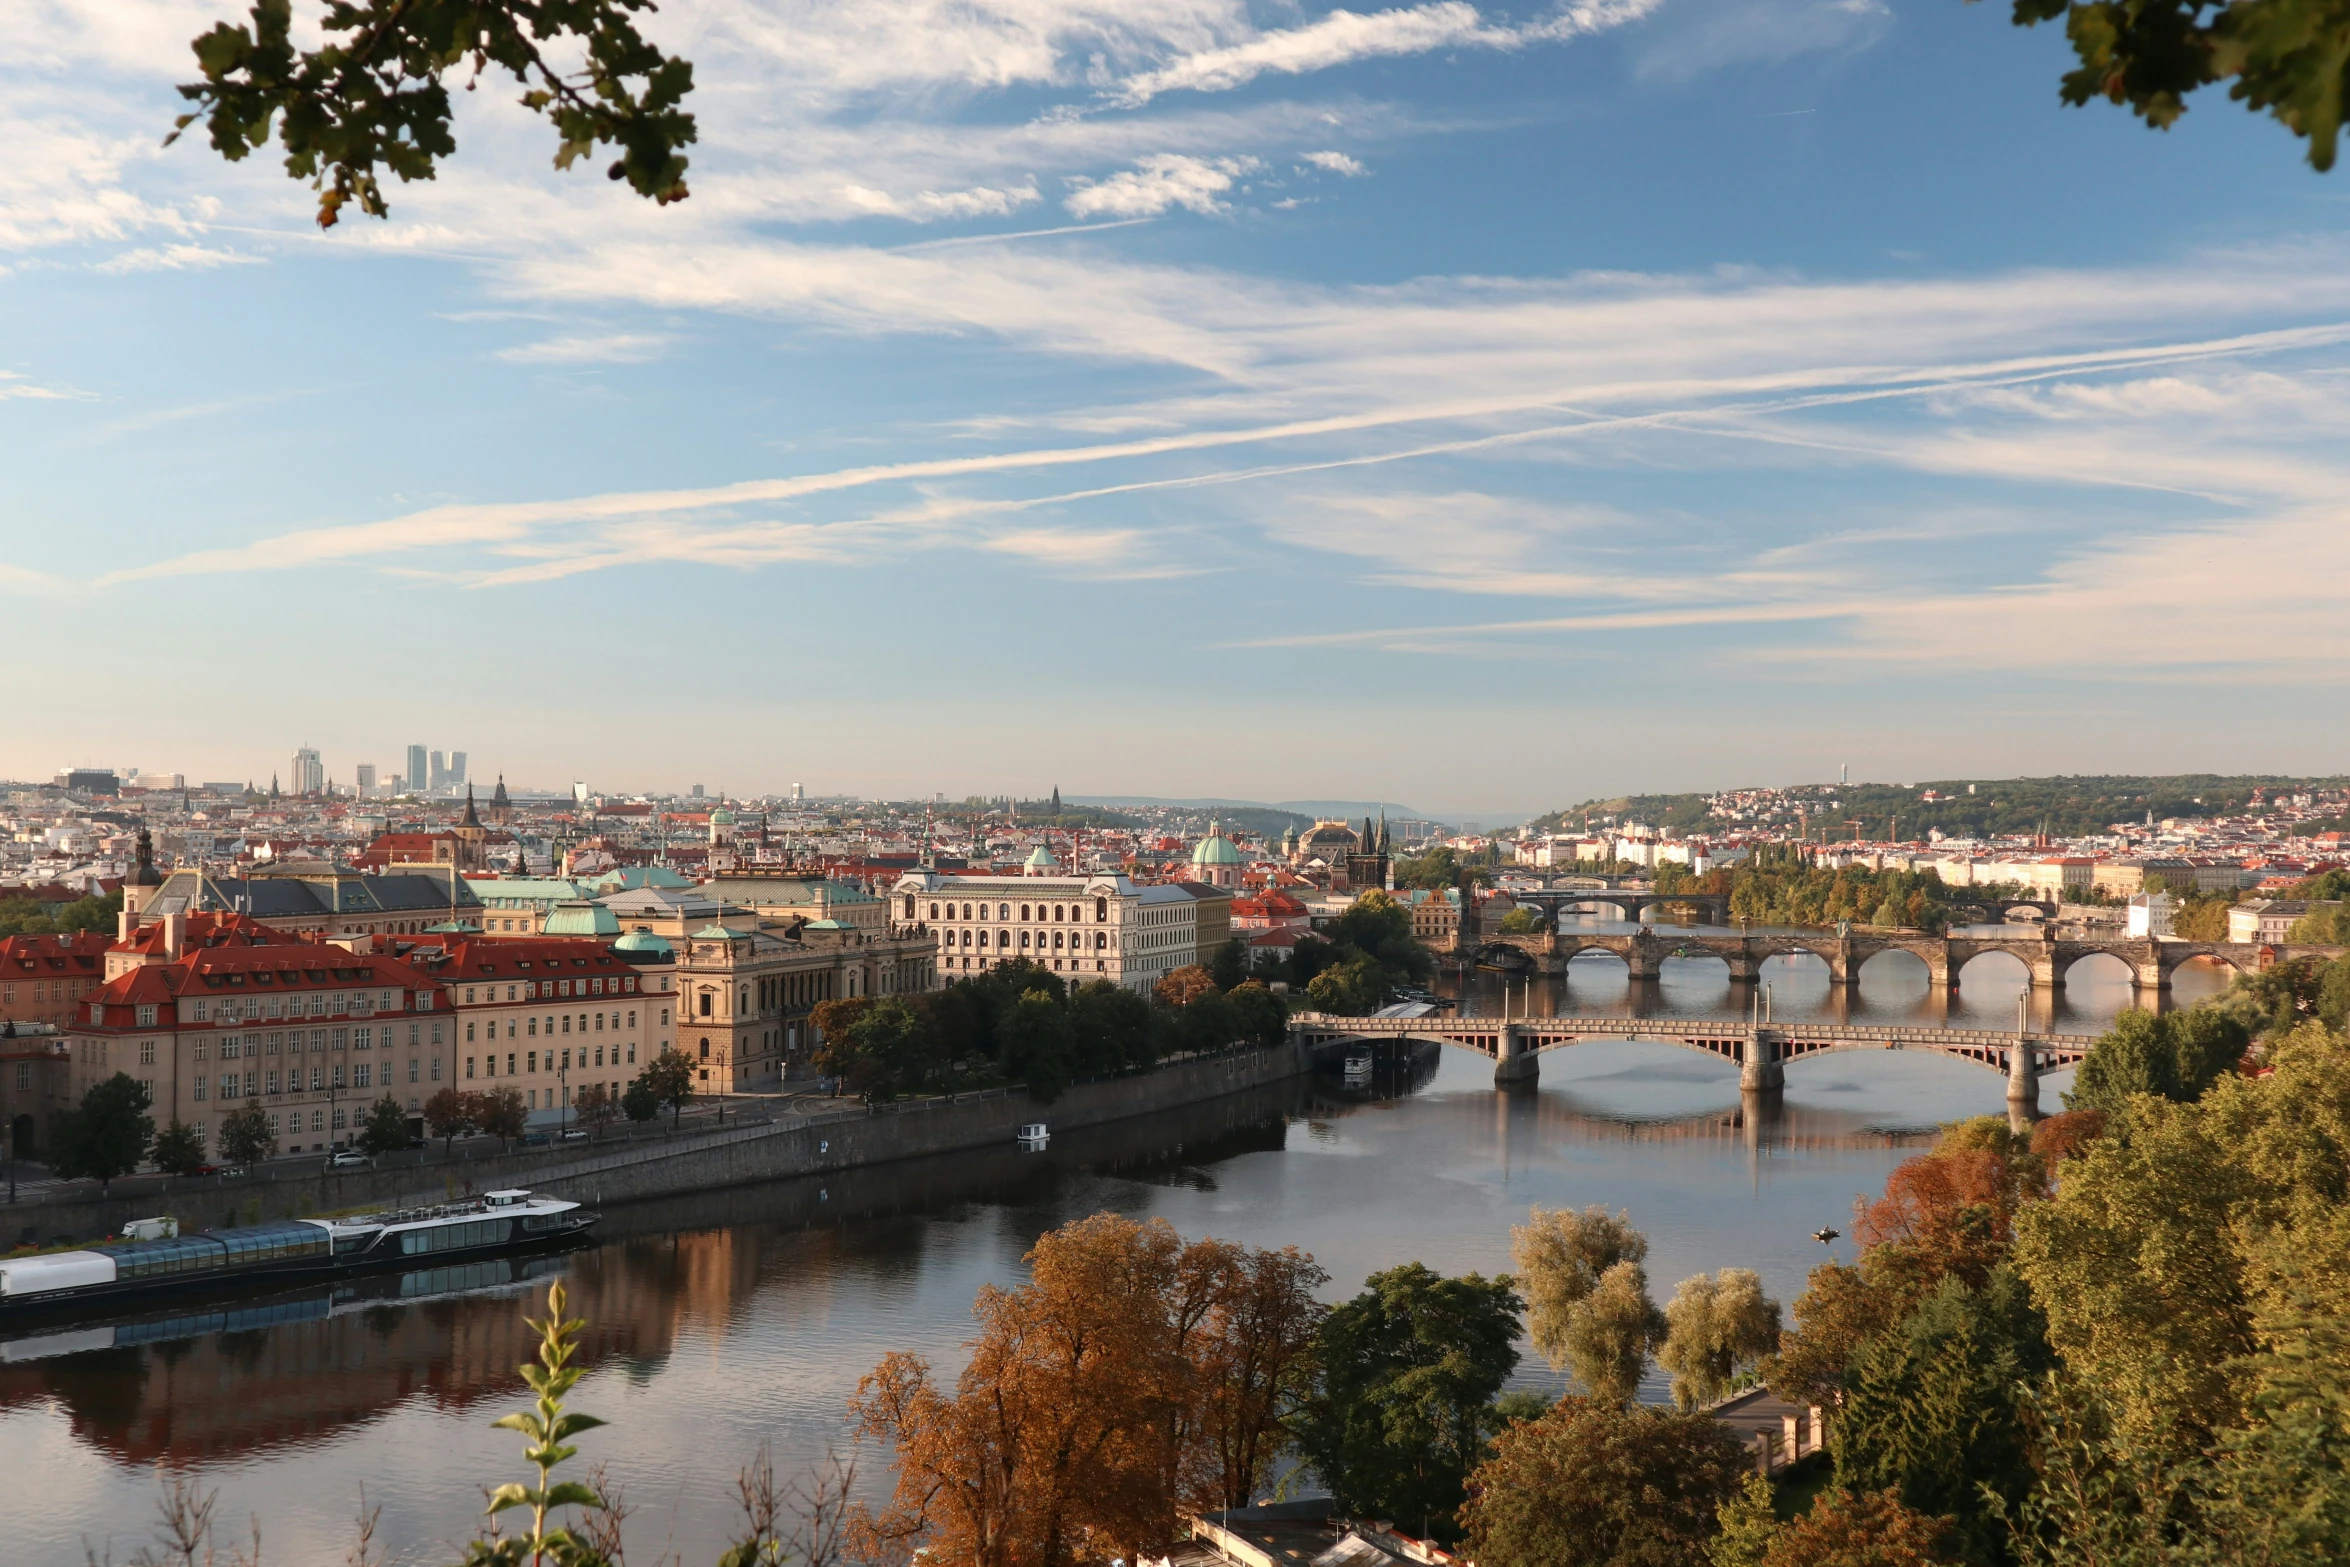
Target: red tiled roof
column 81, row 951
column 252, row 969
column 526, row 957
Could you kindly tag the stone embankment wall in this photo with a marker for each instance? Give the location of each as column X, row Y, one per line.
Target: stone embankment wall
column 695, row 1160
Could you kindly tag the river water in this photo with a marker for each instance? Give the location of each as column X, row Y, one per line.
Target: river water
column 724, row 1322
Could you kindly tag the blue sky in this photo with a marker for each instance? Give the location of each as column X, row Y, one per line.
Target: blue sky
column 1477, row 408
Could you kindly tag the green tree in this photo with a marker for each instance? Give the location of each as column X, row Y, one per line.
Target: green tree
column 2202, row 918
column 102, row 915
column 2285, row 56
column 638, row 1101
column 2176, row 1056
column 1716, row 1327
column 1405, row 1377
column 248, row 1134
column 1259, row 1015
column 1610, row 1334
column 1380, row 928
column 1209, row 1024
column 1601, row 1485
column 1931, row 1412
column 888, row 1051
column 1560, row 1255
column 371, row 98
column 179, row 1149
column 1354, row 988
column 386, row 1127
column 1112, row 1028
column 1438, row 870
column 1523, row 921
column 1747, row 1525
column 106, row 1135
column 670, row 1077
column 1230, row 964
column 1036, row 1045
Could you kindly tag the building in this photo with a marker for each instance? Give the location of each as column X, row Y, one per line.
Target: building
column 549, row 1016
column 1328, row 842
column 1216, row 862
column 2270, row 919
column 42, row 978
column 1436, row 915
column 364, row 776
column 309, row 773
column 2063, row 877
column 36, row 1082
column 746, row 994
column 419, row 769
column 213, row 1018
column 456, row 769
column 1271, row 909
column 519, row 905
column 1096, row 927
column 804, row 898
column 1366, row 867
column 2151, row 914
column 1211, row 909
column 314, row 898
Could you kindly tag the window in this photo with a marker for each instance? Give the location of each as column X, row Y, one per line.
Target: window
column 664, row 1017
column 203, row 1010
column 24, row 1076
column 705, row 1003
column 567, row 1022
column 340, row 1113
column 147, row 1017
column 1003, row 911
column 317, row 1121
column 469, row 1033
column 632, row 1017
column 534, row 1028
column 412, row 1068
column 338, row 1080
column 632, row 1051
column 146, row 1046
column 705, row 1050
column 362, row 1075
column 469, row 1067
column 436, row 1069
column 1024, row 911
column 364, row 1039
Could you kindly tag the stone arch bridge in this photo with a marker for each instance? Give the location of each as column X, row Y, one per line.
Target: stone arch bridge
column 2048, row 957
column 1761, row 1053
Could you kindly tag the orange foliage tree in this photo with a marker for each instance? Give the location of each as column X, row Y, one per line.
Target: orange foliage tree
column 1131, row 1378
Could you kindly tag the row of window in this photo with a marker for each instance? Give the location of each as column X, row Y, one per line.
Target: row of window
column 530, row 1060
column 234, row 1085
column 233, row 1046
column 1003, row 938
column 539, row 989
column 531, row 1025
column 232, row 1009
column 1059, row 911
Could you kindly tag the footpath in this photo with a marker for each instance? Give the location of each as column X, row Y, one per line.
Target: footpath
column 647, row 1163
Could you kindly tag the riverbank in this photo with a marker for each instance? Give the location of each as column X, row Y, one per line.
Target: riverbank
column 689, row 1162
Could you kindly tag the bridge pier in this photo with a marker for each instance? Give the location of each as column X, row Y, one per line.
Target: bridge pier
column 2023, row 1085
column 1642, row 957
column 1514, row 1060
column 2045, row 975
column 1759, row 1067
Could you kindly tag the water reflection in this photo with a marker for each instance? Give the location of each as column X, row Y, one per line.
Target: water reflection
column 745, row 1315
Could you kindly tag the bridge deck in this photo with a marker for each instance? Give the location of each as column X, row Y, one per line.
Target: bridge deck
column 1725, row 1037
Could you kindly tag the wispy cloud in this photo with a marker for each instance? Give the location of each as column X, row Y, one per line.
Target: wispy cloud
column 1158, row 183
column 175, row 258
column 607, row 348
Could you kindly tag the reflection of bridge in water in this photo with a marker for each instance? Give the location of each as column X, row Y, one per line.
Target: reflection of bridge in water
column 2047, row 957
column 1760, row 1051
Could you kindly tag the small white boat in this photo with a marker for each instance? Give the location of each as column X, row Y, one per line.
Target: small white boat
column 1034, row 1134
column 1358, row 1063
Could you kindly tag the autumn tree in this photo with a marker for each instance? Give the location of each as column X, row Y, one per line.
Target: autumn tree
column 452, row 1113
column 1716, row 1326
column 500, row 1113
column 1592, row 1483
column 670, row 1077
column 1132, row 1376
column 597, row 1105
column 1406, row 1375
column 1183, row 986
column 1842, row 1529
column 1610, row 1334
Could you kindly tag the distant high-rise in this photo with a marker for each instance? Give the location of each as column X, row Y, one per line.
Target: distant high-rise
column 366, row 776
column 309, row 772
column 799, row 794
column 418, row 778
column 438, row 774
column 456, row 769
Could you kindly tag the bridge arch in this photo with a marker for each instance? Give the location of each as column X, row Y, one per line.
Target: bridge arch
column 1998, row 958
column 2092, row 966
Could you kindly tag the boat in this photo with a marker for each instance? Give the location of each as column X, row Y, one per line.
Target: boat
column 495, row 1222
column 1034, row 1134
column 1358, row 1062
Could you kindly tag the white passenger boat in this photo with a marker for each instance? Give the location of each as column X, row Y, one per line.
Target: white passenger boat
column 1034, row 1134
column 499, row 1221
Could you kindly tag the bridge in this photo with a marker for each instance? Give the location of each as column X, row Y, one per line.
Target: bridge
column 1761, row 1052
column 2047, row 957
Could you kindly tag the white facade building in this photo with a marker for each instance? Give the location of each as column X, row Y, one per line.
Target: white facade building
column 1083, row 927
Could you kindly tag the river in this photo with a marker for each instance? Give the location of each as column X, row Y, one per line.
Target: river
column 746, row 1317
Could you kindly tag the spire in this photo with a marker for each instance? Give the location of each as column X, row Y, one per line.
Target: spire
column 472, row 817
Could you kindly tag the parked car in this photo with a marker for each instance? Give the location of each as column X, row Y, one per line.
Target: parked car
column 573, row 1134
column 347, row 1159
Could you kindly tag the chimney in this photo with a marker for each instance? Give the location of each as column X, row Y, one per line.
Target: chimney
column 175, row 934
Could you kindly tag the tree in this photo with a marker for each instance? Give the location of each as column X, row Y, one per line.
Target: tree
column 452, row 1113
column 1610, row 1334
column 1111, row 1026
column 1748, row 1524
column 1258, row 1015
column 371, row 98
column 1185, row 985
column 670, row 1077
column 597, row 1105
column 1230, row 964
column 2285, row 56
column 248, row 1134
column 1596, row 1485
column 179, row 1149
column 2175, row 1056
column 1353, row 988
column 1036, row 1045
column 1873, row 1529
column 1380, row 928
column 1209, row 1024
column 106, row 1135
column 499, row 1112
column 386, row 1127
column 1521, row 922
column 638, row 1101
column 1931, row 1411
column 1406, row 1374
column 1131, row 1377
column 836, row 1023
column 1560, row 1255
column 1716, row 1326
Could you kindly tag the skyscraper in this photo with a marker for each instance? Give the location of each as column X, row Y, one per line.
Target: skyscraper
column 366, row 776
column 456, row 769
column 418, row 778
column 309, row 772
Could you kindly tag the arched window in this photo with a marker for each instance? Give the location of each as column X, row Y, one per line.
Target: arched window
column 1024, row 911
column 705, row 1050
column 1003, row 938
column 1101, row 910
column 1056, row 913
column 909, row 905
column 1023, row 938
column 1056, row 941
column 983, row 938
column 1003, row 911
column 934, row 911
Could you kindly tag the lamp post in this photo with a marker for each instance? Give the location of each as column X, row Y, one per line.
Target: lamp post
column 563, row 1092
